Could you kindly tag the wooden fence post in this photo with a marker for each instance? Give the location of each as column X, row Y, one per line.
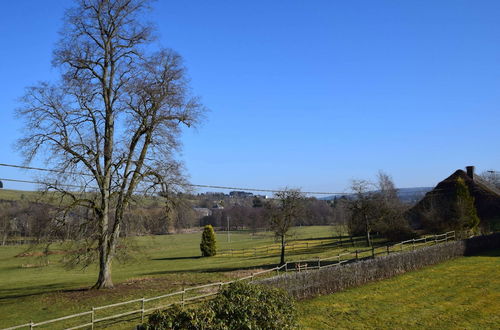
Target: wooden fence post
column 31, row 324
column 286, row 267
column 92, row 318
column 142, row 310
column 338, row 256
column 319, row 263
column 183, row 294
column 356, row 254
column 413, row 244
column 387, row 249
column 373, row 252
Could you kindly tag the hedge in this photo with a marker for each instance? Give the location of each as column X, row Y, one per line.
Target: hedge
column 337, row 278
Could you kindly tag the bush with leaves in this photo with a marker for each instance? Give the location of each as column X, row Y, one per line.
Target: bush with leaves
column 238, row 306
column 208, row 245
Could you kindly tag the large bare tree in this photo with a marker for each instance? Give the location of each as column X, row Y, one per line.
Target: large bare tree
column 112, row 121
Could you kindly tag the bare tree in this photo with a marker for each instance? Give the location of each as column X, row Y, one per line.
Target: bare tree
column 377, row 208
column 283, row 213
column 112, row 122
column 492, row 178
column 361, row 207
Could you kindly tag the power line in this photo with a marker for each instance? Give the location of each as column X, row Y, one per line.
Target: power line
column 187, row 184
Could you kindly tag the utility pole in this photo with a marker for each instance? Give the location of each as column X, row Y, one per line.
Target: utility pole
column 228, row 237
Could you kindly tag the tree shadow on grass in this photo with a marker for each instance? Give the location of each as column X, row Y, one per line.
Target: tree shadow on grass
column 34, row 290
column 177, row 258
column 214, row 269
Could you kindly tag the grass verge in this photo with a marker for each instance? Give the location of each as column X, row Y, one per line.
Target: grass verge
column 461, row 293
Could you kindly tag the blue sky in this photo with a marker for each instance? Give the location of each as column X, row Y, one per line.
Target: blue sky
column 306, row 94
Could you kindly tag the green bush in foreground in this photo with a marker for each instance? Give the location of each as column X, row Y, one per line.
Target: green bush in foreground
column 238, row 306
column 208, row 245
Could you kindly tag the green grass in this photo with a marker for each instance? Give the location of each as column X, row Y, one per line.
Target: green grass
column 463, row 293
column 163, row 264
column 17, row 195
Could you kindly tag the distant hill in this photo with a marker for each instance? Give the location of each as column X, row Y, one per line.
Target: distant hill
column 407, row 195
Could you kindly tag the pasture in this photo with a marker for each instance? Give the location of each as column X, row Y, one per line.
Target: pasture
column 157, row 265
column 463, row 293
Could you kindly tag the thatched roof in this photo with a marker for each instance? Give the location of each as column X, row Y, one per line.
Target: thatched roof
column 486, row 199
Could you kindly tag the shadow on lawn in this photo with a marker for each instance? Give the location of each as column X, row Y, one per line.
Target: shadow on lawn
column 178, row 258
column 213, row 269
column 34, row 290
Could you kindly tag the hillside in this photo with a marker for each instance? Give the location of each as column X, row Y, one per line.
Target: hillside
column 407, row 195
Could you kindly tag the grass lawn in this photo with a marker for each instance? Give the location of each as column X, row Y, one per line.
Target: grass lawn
column 163, row 264
column 463, row 293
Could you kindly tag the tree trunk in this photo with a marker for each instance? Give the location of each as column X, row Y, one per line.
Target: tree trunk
column 282, row 261
column 106, row 251
column 368, row 238
column 104, row 280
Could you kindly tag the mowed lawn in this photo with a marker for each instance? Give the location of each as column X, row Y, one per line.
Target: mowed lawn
column 463, row 293
column 160, row 264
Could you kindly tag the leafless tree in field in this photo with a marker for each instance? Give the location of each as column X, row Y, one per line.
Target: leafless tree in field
column 113, row 120
column 376, row 207
column 286, row 208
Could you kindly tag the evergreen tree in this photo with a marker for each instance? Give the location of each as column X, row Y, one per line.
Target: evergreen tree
column 466, row 213
column 208, row 245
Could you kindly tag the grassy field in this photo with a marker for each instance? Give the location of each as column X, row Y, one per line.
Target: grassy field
column 463, row 293
column 162, row 264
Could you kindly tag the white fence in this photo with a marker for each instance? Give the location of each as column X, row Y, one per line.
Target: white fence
column 192, row 294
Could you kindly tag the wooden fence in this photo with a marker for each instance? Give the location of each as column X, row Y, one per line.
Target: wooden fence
column 292, row 247
column 144, row 306
column 353, row 256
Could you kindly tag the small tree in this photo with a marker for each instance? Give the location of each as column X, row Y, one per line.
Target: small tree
column 466, row 213
column 283, row 214
column 208, row 244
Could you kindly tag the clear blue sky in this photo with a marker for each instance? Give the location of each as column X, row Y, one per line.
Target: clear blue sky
column 306, row 94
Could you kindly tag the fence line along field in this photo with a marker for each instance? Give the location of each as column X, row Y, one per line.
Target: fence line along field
column 140, row 307
column 38, row 287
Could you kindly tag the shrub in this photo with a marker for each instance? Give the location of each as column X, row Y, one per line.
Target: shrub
column 208, row 244
column 238, row 306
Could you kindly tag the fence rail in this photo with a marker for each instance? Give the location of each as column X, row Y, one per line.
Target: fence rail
column 276, row 248
column 310, row 264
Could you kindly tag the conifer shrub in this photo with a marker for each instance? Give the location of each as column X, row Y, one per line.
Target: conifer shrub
column 466, row 212
column 238, row 306
column 208, row 245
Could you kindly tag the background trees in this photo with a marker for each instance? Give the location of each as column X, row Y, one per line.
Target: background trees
column 111, row 123
column 377, row 208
